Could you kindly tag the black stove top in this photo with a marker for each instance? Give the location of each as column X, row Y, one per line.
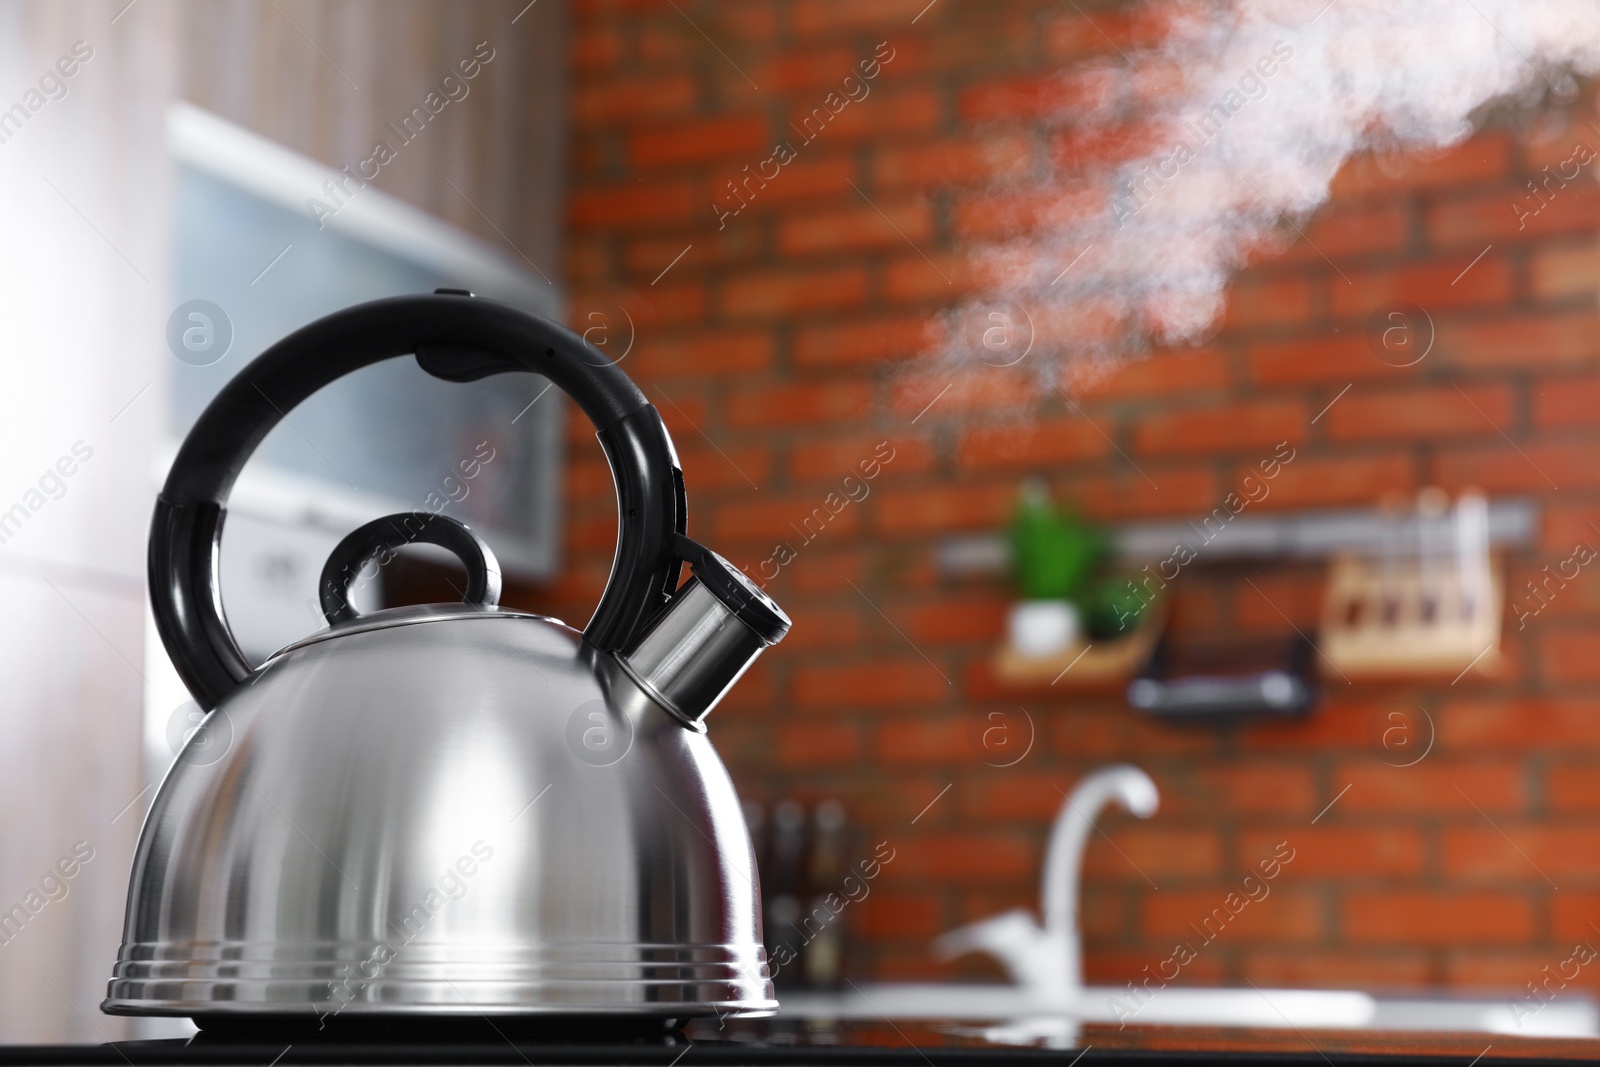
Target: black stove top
column 698, row 1054
column 799, row 1043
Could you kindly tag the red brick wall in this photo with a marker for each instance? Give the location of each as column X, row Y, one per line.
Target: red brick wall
column 777, row 348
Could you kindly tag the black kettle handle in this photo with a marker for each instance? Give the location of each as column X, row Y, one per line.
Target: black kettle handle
column 458, row 338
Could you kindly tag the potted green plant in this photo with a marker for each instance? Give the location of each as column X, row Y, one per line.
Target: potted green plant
column 1053, row 553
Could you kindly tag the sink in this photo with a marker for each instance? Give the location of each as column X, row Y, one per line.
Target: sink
column 1048, row 1000
column 1016, row 1015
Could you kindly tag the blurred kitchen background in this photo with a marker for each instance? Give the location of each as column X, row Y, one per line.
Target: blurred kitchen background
column 1382, row 463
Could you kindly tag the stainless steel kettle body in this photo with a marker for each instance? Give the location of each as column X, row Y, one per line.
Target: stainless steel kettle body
column 450, row 810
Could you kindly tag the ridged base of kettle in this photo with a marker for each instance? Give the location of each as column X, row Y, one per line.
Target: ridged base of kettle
column 228, row 1032
column 327, row 981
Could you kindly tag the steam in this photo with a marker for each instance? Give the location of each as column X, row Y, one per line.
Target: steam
column 1231, row 130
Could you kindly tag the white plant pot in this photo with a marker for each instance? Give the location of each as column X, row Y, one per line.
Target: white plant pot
column 1042, row 628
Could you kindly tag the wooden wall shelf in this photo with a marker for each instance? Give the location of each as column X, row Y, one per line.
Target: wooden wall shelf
column 1095, row 664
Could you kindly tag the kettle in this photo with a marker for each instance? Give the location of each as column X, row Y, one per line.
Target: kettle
column 449, row 810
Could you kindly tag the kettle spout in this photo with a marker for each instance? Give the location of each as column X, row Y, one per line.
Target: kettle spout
column 707, row 636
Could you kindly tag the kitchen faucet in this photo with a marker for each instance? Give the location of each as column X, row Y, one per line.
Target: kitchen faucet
column 1047, row 961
